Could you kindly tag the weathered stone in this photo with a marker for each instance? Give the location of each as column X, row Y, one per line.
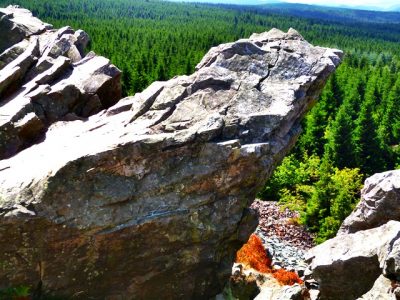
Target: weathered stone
column 380, row 203
column 12, row 53
column 347, row 266
column 242, row 287
column 363, row 248
column 16, row 24
column 82, row 40
column 149, row 199
column 45, row 75
column 294, row 292
column 314, row 294
column 13, row 73
column 391, row 262
column 381, row 290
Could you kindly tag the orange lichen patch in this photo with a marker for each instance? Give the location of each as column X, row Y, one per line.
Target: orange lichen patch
column 254, row 255
column 286, row 278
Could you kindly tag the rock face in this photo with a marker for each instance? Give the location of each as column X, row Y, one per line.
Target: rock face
column 16, row 24
column 380, row 202
column 382, row 290
column 46, row 77
column 347, row 266
column 149, row 198
column 363, row 260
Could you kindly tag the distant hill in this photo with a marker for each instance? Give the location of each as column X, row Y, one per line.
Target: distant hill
column 358, row 8
column 236, row 2
column 361, row 14
column 332, row 13
column 396, row 8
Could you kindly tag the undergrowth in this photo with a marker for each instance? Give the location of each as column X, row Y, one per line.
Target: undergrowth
column 15, row 293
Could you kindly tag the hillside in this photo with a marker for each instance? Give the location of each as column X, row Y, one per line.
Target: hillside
column 333, row 14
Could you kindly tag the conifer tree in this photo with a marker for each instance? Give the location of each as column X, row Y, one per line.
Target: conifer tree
column 339, row 147
column 368, row 149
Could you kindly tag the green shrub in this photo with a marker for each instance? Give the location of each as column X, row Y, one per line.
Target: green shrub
column 323, row 194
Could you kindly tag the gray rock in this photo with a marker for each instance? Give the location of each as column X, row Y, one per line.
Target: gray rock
column 391, row 262
column 381, row 290
column 314, row 294
column 284, row 255
column 17, row 24
column 380, row 203
column 12, row 53
column 44, row 78
column 149, row 199
column 13, row 73
column 293, row 292
column 347, row 266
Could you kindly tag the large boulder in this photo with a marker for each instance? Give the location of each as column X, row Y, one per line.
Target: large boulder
column 347, row 266
column 382, row 290
column 363, row 260
column 380, row 203
column 149, row 198
column 46, row 77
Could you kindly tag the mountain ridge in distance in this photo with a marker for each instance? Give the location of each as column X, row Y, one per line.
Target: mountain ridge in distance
column 395, row 8
column 236, row 2
column 339, row 14
column 333, row 13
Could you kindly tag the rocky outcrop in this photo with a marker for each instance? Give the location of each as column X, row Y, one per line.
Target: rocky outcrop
column 380, row 203
column 149, row 198
column 16, row 24
column 347, row 266
column 46, row 77
column 363, row 260
column 383, row 289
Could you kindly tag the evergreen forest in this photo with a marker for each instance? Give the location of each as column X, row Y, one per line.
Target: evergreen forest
column 351, row 133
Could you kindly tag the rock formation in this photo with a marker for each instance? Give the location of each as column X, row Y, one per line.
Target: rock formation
column 380, row 203
column 363, row 260
column 149, row 198
column 46, row 77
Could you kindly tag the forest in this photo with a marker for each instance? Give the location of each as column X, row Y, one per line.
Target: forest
column 352, row 132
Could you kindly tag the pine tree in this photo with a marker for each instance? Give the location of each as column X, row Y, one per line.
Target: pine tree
column 369, row 152
column 318, row 206
column 312, row 141
column 339, row 147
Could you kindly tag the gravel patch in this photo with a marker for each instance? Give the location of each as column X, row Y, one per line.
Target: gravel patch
column 285, row 240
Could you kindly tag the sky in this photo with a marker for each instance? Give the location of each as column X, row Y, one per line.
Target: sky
column 382, row 4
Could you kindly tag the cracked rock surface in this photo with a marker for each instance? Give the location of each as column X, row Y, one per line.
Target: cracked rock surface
column 45, row 77
column 149, row 198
